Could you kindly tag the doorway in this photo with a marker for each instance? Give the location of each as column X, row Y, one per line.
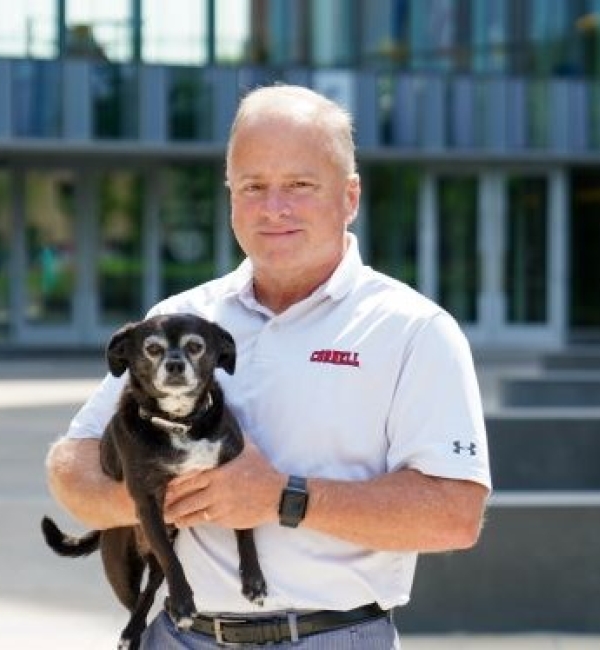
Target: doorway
column 86, row 247
column 584, row 233
column 493, row 243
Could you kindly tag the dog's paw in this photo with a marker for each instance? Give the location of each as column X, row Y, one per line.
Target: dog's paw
column 185, row 622
column 128, row 644
column 255, row 589
column 183, row 616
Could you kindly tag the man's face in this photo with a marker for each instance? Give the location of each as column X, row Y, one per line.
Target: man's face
column 290, row 203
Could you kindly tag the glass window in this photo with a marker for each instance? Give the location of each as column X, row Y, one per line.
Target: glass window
column 115, row 101
column 120, row 263
column 584, row 237
column 5, row 247
column 562, row 35
column 98, row 30
column 329, row 17
column 434, row 34
column 174, row 34
column 548, row 31
column 490, row 49
column 233, row 29
column 187, row 34
column 538, row 113
column 593, row 103
column 187, row 214
column 526, row 256
column 588, row 32
column 190, row 114
column 385, row 31
column 36, row 97
column 50, row 246
column 278, row 33
column 28, row 29
column 457, row 253
column 392, row 210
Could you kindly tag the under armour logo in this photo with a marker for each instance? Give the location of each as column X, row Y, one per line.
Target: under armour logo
column 471, row 448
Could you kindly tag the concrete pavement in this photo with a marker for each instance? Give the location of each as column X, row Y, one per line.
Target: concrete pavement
column 52, row 603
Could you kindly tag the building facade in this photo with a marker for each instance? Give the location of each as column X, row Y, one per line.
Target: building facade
column 478, row 131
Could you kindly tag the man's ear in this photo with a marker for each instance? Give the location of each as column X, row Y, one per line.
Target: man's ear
column 117, row 350
column 352, row 197
column 227, row 352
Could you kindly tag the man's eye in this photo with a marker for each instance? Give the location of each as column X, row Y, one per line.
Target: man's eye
column 154, row 349
column 252, row 188
column 301, row 185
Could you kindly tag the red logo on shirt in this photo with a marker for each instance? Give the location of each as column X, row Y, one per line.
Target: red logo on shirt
column 337, row 357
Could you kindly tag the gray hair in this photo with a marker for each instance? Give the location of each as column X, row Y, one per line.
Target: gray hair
column 302, row 104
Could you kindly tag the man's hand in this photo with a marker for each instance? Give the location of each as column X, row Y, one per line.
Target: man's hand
column 403, row 510
column 243, row 493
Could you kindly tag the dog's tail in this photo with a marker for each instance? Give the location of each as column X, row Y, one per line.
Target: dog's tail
column 67, row 545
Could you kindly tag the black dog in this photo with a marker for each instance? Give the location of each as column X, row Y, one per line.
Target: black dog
column 171, row 417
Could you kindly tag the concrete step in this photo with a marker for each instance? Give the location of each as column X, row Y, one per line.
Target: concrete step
column 534, row 568
column 575, row 359
column 557, row 451
column 552, row 389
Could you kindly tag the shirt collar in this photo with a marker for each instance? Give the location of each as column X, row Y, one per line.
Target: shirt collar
column 336, row 287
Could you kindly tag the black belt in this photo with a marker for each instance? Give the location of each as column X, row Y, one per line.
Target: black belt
column 278, row 628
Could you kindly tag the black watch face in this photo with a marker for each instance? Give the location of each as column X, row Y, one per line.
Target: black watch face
column 294, row 505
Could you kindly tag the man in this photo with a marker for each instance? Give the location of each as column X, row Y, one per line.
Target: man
column 351, row 383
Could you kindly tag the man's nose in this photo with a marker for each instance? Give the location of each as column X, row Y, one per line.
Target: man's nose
column 276, row 203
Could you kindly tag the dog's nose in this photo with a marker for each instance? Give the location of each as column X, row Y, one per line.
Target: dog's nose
column 175, row 366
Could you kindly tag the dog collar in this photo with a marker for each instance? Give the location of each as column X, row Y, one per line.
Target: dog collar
column 171, row 427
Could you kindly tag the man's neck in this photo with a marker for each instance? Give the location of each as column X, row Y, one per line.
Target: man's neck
column 278, row 292
column 279, row 296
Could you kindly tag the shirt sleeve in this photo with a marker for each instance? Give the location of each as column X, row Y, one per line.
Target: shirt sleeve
column 92, row 418
column 436, row 422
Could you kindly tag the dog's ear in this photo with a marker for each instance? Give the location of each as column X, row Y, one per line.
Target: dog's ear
column 227, row 353
column 117, row 350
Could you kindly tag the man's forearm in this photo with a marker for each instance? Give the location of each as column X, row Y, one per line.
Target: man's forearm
column 78, row 483
column 403, row 510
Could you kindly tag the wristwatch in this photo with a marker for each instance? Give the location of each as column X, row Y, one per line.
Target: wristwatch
column 294, row 500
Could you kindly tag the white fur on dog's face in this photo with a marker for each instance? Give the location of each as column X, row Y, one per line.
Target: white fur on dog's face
column 179, row 389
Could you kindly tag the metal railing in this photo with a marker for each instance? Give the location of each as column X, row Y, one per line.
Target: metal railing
column 92, row 101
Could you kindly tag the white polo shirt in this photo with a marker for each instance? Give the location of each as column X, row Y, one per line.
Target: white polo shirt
column 363, row 377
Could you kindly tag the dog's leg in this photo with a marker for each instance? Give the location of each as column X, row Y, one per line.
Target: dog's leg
column 123, row 564
column 183, row 608
column 131, row 635
column 254, row 586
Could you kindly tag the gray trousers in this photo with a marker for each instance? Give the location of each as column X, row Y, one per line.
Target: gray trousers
column 379, row 634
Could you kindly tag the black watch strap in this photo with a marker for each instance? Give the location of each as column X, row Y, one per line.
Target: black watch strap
column 294, row 501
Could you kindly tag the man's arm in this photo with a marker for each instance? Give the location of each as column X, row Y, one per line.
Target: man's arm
column 78, row 483
column 402, row 510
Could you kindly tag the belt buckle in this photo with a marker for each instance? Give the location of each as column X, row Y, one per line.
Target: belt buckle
column 218, row 622
column 269, row 630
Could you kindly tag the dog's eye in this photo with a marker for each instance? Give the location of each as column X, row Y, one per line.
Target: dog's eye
column 194, row 347
column 154, row 349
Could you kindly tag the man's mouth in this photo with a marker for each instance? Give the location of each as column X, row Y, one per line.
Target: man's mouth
column 280, row 233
